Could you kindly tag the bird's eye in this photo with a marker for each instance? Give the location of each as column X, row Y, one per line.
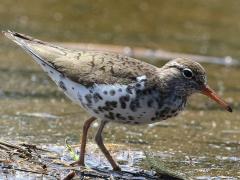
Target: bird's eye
column 187, row 73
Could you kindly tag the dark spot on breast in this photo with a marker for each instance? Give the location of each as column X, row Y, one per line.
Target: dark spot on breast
column 97, row 97
column 122, row 102
column 157, row 114
column 61, row 76
column 175, row 114
column 134, row 105
column 107, row 108
column 120, row 117
column 164, row 118
column 110, row 115
column 105, row 92
column 112, row 92
column 162, row 115
column 111, row 104
column 130, row 117
column 120, row 90
column 88, row 98
column 124, row 98
column 149, row 91
column 145, row 92
column 153, row 119
column 43, row 64
column 123, row 105
column 95, row 111
column 175, row 98
column 136, row 122
column 51, row 72
column 62, row 86
column 150, row 103
column 168, row 116
column 138, row 85
column 159, row 102
column 100, row 109
column 139, row 93
column 73, row 88
column 165, row 110
column 154, row 88
column 129, row 89
column 144, row 80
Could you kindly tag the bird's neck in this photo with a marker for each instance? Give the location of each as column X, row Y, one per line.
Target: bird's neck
column 171, row 84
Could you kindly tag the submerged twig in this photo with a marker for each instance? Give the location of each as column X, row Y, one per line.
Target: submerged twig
column 33, row 146
column 25, row 170
column 11, row 145
column 5, row 147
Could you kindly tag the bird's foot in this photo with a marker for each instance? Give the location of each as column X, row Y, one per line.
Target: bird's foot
column 77, row 163
column 117, row 168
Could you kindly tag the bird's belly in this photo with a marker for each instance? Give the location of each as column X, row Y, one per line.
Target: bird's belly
column 118, row 103
column 114, row 103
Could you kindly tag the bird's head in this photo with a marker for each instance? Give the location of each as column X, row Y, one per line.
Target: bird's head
column 188, row 77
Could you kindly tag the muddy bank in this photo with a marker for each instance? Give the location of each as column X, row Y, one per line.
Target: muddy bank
column 54, row 162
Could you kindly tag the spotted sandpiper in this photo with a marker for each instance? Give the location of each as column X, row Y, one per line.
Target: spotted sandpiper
column 116, row 88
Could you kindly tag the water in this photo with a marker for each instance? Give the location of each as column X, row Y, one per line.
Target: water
column 203, row 142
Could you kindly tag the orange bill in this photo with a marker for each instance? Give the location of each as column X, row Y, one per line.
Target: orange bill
column 210, row 93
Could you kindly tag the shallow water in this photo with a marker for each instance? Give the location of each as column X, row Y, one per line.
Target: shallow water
column 203, row 142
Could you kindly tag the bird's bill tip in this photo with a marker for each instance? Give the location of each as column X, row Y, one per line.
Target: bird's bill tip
column 206, row 90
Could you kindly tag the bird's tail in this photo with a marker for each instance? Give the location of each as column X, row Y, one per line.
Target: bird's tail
column 19, row 38
column 46, row 55
column 39, row 50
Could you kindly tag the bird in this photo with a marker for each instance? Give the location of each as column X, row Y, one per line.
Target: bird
column 115, row 88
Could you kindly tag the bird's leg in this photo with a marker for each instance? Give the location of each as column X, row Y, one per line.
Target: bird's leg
column 99, row 141
column 86, row 126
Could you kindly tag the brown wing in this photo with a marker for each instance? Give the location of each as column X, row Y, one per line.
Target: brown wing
column 87, row 67
column 103, row 68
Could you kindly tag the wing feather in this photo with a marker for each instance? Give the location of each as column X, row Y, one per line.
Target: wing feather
column 87, row 67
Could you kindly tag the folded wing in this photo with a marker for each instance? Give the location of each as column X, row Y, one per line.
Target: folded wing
column 86, row 67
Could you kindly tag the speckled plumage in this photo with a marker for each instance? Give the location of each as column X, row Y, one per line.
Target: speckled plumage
column 116, row 88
